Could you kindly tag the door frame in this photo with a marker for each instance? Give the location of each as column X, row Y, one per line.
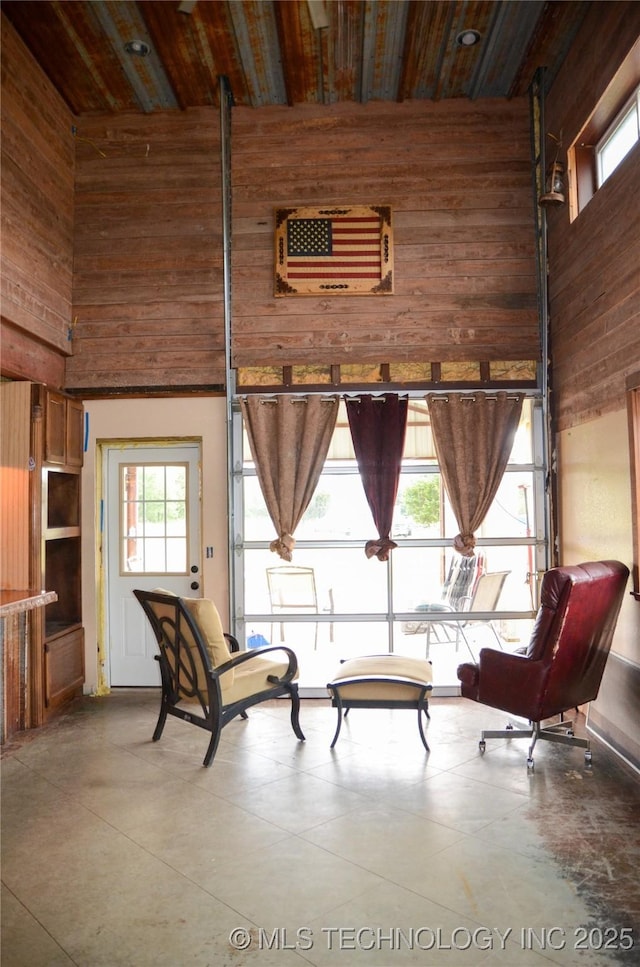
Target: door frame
column 103, row 445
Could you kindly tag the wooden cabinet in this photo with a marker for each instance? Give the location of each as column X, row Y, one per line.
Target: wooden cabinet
column 41, row 532
column 60, row 557
column 63, row 430
column 60, row 562
column 63, row 667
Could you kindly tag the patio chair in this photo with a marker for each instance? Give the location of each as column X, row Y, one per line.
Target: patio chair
column 293, row 589
column 563, row 665
column 483, row 600
column 459, row 585
column 206, row 680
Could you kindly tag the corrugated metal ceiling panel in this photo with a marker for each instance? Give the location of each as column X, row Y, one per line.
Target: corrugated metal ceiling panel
column 272, row 53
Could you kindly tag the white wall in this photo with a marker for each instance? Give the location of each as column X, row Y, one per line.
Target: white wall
column 157, row 419
column 595, row 508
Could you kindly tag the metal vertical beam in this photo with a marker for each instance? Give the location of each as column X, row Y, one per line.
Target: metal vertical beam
column 226, row 103
column 538, row 138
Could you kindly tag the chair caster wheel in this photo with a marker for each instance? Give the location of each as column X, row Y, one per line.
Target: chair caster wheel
column 482, row 745
column 530, row 765
column 509, row 726
column 570, row 732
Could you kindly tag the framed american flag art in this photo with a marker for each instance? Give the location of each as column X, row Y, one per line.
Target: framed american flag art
column 334, row 250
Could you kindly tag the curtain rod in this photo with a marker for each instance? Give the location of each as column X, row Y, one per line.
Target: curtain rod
column 323, row 399
column 381, row 399
column 296, row 399
column 472, row 399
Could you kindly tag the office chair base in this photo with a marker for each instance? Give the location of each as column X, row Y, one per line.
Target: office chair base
column 561, row 732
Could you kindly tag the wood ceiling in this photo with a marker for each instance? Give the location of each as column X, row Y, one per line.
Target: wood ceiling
column 272, row 54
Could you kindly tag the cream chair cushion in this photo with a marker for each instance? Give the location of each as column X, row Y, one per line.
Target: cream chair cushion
column 206, row 616
column 413, row 675
column 251, row 677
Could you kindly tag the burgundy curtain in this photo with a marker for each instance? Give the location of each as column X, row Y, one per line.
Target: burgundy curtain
column 473, row 437
column 378, row 427
column 289, row 438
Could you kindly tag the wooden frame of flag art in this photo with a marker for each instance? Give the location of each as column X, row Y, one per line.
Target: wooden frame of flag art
column 335, row 250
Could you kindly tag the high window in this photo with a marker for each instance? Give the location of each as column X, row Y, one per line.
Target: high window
column 619, row 139
column 608, row 136
column 633, row 405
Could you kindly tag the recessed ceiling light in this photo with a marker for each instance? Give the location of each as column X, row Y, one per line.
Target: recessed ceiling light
column 137, row 48
column 467, row 38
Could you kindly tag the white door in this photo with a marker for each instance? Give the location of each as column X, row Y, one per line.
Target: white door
column 152, row 532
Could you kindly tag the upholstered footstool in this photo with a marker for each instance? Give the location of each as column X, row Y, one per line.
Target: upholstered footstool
column 382, row 681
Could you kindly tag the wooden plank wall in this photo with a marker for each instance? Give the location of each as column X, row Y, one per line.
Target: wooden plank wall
column 37, row 218
column 594, row 276
column 458, row 177
column 148, row 286
column 15, row 507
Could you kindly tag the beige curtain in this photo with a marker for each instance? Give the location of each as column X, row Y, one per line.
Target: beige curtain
column 289, row 439
column 473, row 436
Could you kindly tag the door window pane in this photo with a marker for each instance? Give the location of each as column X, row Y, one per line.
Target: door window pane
column 153, row 518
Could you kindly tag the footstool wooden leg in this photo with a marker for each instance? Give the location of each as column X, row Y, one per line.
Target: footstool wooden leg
column 338, row 704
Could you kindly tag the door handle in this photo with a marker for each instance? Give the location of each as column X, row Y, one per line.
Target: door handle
column 194, row 568
column 194, row 585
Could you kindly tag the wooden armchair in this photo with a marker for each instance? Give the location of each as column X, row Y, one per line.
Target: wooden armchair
column 206, row 680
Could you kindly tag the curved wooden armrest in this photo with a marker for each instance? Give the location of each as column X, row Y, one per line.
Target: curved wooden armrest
column 245, row 656
column 232, row 641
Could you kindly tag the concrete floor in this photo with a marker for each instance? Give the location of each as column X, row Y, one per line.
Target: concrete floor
column 119, row 851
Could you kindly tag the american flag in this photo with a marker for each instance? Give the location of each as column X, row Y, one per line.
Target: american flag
column 340, row 248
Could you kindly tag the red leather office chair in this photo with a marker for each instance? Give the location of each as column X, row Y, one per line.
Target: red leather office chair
column 564, row 662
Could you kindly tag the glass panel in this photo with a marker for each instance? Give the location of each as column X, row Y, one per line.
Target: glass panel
column 338, row 511
column 507, row 516
column 418, row 506
column 514, row 370
column 513, row 633
column 176, row 554
column 153, row 483
column 460, row 372
column 153, row 527
column 341, row 447
column 418, row 443
column 153, row 514
column 522, row 451
column 619, row 144
column 260, row 376
column 346, row 581
column 310, row 374
column 360, row 373
column 319, row 660
column 410, row 372
column 176, row 478
column 511, row 512
column 419, row 575
column 176, row 519
column 153, row 549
